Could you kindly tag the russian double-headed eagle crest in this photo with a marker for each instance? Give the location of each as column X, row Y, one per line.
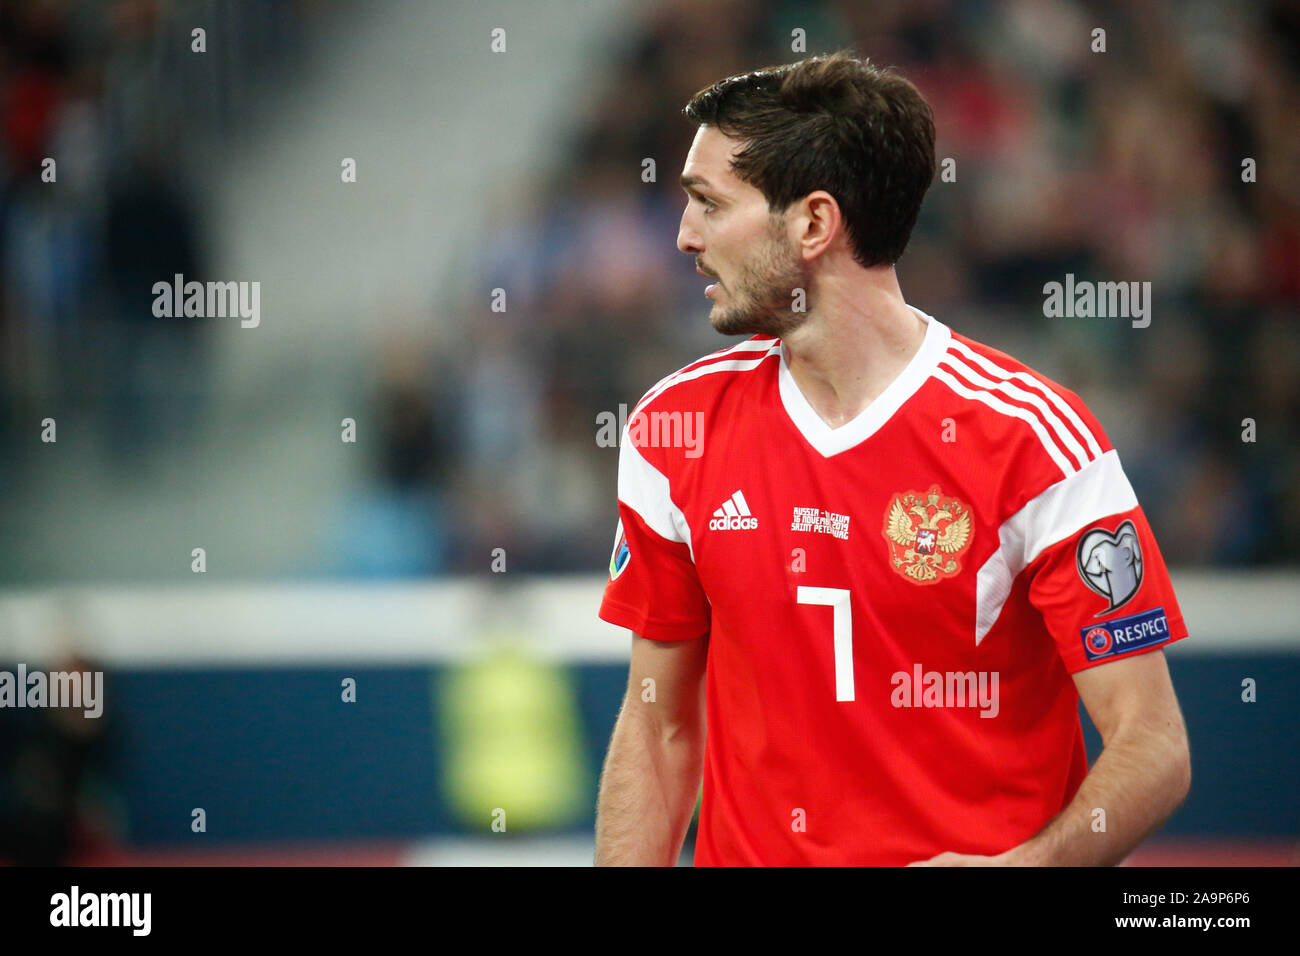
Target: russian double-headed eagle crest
column 927, row 533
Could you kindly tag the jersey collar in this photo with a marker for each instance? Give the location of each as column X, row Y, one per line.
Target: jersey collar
column 831, row 441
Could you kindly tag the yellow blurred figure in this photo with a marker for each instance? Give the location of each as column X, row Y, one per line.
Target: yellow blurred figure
column 513, row 742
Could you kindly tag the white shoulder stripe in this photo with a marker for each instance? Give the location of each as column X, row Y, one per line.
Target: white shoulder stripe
column 749, row 345
column 1098, row 490
column 1063, row 406
column 644, row 489
column 1062, row 434
column 729, row 365
column 1067, row 468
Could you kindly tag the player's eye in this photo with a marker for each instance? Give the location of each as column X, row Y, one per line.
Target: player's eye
column 708, row 204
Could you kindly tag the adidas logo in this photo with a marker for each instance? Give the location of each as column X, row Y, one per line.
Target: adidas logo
column 734, row 515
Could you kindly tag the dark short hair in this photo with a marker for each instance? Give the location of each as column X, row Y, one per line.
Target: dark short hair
column 835, row 122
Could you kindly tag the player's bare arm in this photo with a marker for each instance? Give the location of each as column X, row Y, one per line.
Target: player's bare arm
column 1140, row 778
column 656, row 756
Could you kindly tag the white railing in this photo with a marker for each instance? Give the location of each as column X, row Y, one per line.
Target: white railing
column 281, row 624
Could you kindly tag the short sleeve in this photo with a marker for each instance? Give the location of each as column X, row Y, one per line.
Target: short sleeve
column 653, row 587
column 1103, row 589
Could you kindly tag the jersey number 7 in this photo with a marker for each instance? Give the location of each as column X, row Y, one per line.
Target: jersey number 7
column 842, row 628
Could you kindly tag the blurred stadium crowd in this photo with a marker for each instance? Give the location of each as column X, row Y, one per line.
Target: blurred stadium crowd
column 1117, row 166
column 125, row 111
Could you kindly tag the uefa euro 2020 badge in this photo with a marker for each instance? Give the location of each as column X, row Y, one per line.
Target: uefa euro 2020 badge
column 927, row 533
column 1110, row 562
column 622, row 553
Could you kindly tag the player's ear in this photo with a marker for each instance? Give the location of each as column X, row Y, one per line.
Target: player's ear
column 823, row 214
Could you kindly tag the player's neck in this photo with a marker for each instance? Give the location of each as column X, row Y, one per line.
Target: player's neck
column 858, row 338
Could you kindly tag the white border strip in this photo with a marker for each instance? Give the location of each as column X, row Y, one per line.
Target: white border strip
column 453, row 619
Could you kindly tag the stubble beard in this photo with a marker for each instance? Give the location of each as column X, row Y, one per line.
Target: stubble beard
column 763, row 293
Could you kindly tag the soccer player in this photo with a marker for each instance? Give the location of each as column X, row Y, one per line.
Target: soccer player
column 891, row 560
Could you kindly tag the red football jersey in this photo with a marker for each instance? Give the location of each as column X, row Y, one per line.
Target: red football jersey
column 894, row 607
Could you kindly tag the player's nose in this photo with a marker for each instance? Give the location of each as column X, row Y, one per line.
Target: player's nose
column 688, row 240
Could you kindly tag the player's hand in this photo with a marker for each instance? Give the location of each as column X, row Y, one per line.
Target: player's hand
column 966, row 859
